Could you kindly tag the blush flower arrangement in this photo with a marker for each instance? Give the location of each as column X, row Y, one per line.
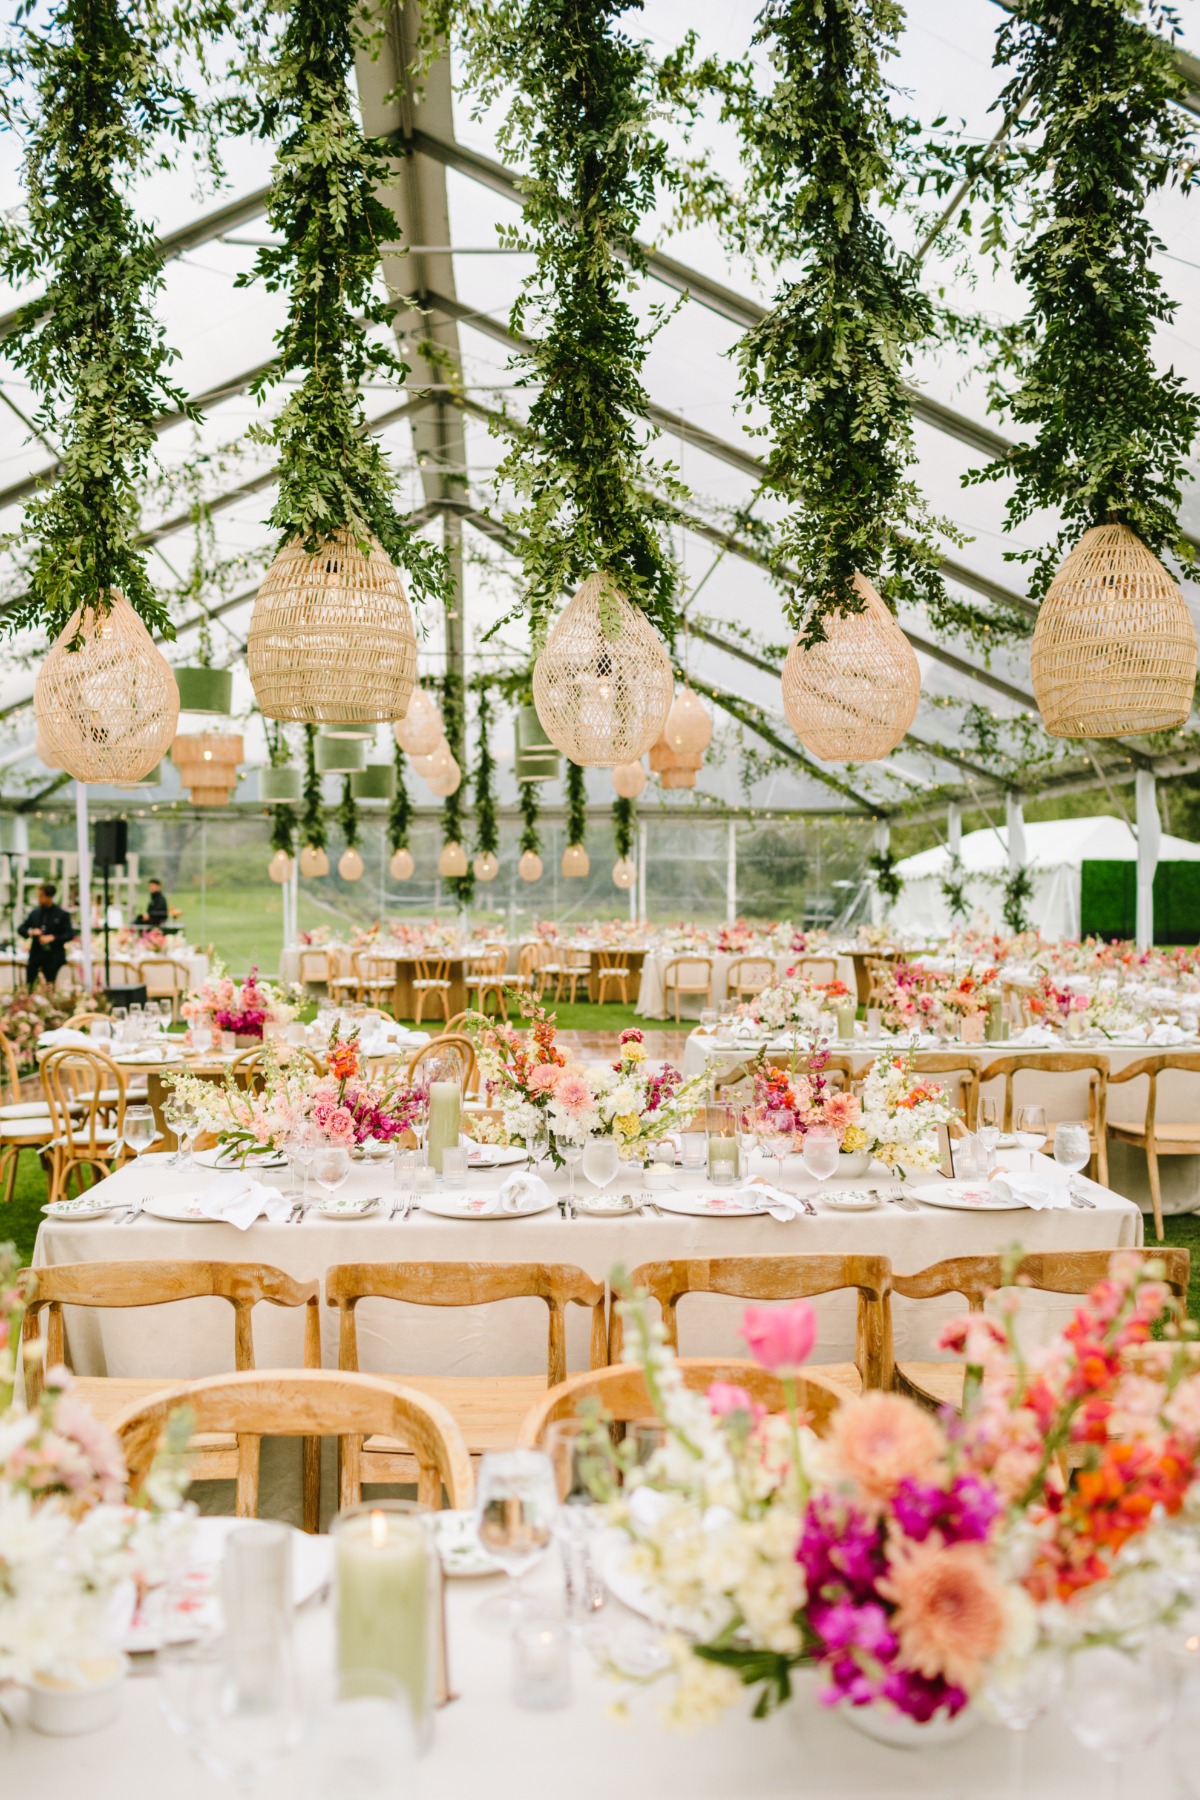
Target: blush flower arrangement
column 908, row 1558
column 810, row 1098
column 243, row 1008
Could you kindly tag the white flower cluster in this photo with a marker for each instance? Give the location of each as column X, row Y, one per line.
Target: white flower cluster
column 901, row 1111
column 791, row 1002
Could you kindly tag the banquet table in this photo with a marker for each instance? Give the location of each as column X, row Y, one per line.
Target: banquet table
column 1064, row 1096
column 651, row 1001
column 195, row 1337
column 483, row 1744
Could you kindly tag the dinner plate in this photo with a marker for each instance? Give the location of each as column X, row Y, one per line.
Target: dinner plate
column 220, row 1156
column 459, row 1205
column 710, row 1206
column 312, row 1567
column 180, row 1209
column 495, row 1156
column 962, row 1196
column 84, row 1206
column 463, row 1556
column 607, row 1206
column 851, row 1199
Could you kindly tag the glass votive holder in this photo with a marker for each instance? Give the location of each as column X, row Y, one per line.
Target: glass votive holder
column 693, row 1149
column 454, row 1162
column 405, row 1163
column 424, row 1179
column 541, row 1663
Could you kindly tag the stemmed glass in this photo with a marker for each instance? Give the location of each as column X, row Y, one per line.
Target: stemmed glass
column 1116, row 1701
column 1072, row 1151
column 202, row 1039
column 820, row 1153
column 572, row 1155
column 778, row 1129
column 237, row 1728
column 516, row 1504
column 1016, row 1695
column 299, row 1148
column 138, row 1131
column 988, row 1129
column 330, row 1166
column 1031, row 1130
column 747, row 1129
column 600, row 1161
column 419, row 1123
column 187, row 1124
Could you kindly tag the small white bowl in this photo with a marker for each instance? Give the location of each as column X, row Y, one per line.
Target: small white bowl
column 59, row 1709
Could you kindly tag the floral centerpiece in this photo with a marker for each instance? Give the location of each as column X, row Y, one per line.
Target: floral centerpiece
column 363, row 936
column 901, row 1112
column 315, row 938
column 904, row 1557
column 793, row 1003
column 685, row 936
column 737, row 939
column 641, row 1107
column 141, row 937
column 242, row 1008
column 348, row 1108
column 811, row 1100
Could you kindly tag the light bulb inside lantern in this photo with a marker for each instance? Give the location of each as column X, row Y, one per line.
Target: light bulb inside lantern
column 486, row 866
column 401, row 866
column 350, row 865
column 280, row 867
column 313, row 862
column 624, row 872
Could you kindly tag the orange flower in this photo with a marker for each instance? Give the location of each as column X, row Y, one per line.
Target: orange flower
column 879, row 1440
column 950, row 1615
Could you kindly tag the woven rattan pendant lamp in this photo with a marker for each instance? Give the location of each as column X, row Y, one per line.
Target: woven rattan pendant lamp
column 689, row 726
column 313, row 861
column 576, row 863
column 624, row 872
column 208, row 764
column 486, row 866
column 331, row 636
column 452, row 863
column 602, row 694
column 852, row 698
column 674, row 768
column 530, row 867
column 629, row 779
column 1114, row 647
column 107, row 711
column 402, row 865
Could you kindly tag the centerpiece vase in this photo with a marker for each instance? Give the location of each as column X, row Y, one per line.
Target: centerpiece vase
column 880, row 1721
column 445, row 1105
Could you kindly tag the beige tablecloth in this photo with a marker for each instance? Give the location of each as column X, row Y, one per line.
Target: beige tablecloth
column 195, row 1337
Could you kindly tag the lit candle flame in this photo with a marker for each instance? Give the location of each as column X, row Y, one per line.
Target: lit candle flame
column 379, row 1530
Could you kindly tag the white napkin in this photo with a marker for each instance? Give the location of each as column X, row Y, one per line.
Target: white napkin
column 1167, row 1034
column 524, row 1193
column 239, row 1199
column 1037, row 1192
column 51, row 1040
column 781, row 1205
column 1041, row 1035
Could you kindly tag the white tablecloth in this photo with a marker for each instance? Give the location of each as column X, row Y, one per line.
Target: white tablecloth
column 487, row 1748
column 195, row 1337
column 194, row 963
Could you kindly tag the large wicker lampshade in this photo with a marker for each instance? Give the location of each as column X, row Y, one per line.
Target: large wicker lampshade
column 421, row 728
column 852, row 698
column 629, row 779
column 575, row 862
column 331, row 636
column 41, row 748
column 674, row 768
column 486, row 866
column 208, row 764
column 107, row 711
column 530, row 867
column 313, row 861
column 602, row 697
column 689, row 726
column 624, row 872
column 1114, row 647
column 350, row 865
column 402, row 865
column 452, row 863
column 280, row 867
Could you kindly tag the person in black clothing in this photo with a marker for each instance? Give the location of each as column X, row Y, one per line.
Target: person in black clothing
column 49, row 931
column 156, row 912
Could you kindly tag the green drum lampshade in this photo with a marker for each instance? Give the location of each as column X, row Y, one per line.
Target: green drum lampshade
column 205, row 690
column 376, row 782
column 349, row 728
column 339, row 755
column 282, row 783
column 537, row 759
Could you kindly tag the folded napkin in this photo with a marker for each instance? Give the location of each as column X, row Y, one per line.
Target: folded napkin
column 1039, row 1035
column 524, row 1193
column 52, row 1040
column 1039, row 1192
column 780, row 1205
column 1168, row 1034
column 239, row 1199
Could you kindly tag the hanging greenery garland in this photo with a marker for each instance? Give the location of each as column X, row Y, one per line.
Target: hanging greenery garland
column 623, row 813
column 1109, row 433
column 487, row 825
column 829, row 360
column 453, row 826
column 312, row 819
column 325, row 209
column 347, row 815
column 576, row 804
column 582, row 123
column 889, row 883
column 953, row 887
column 531, row 837
column 1018, row 892
column 105, row 104
column 400, row 811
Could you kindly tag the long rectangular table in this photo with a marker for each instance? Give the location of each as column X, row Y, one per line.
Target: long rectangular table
column 196, row 1337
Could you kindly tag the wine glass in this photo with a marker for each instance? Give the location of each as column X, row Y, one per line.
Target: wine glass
column 1117, row 1700
column 299, row 1149
column 600, row 1161
column 747, row 1131
column 1072, row 1150
column 819, row 1153
column 187, row 1124
column 516, row 1504
column 778, row 1129
column 136, row 1028
column 572, row 1155
column 202, row 1038
column 138, row 1131
column 330, row 1166
column 1016, row 1694
column 419, row 1122
column 708, row 1020
column 988, row 1128
column 1031, row 1130
column 120, row 1022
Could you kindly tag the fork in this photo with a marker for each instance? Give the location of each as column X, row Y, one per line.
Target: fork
column 135, row 1212
column 897, row 1197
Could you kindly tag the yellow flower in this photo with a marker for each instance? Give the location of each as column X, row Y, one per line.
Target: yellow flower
column 855, row 1138
column 634, row 1053
column 627, row 1124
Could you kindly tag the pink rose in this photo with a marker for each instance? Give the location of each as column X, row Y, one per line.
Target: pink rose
column 340, row 1124
column 780, row 1337
column 725, row 1397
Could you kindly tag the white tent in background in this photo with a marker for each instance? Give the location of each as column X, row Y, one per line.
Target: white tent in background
column 1055, row 850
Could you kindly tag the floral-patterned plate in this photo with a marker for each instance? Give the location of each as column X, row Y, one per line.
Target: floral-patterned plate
column 962, row 1196
column 710, row 1203
column 462, row 1555
column 347, row 1206
column 493, row 1156
column 221, row 1156
column 84, row 1206
column 455, row 1204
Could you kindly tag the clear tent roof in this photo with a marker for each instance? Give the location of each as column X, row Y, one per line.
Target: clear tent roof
column 457, row 198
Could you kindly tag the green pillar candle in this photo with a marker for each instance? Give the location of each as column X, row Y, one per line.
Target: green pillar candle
column 445, row 1108
column 846, row 1016
column 384, row 1610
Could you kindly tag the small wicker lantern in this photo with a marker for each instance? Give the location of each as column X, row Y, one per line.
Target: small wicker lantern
column 107, row 711
column 452, row 863
column 1114, row 647
column 431, row 761
column 602, row 697
column 331, row 636
column 208, row 763
column 629, row 779
column 674, row 768
column 530, row 867
column 576, row 862
column 313, row 862
column 421, row 729
column 852, row 698
column 401, row 866
column 280, row 867
column 624, row 872
column 486, row 866
column 445, row 781
column 689, row 727
column 350, row 865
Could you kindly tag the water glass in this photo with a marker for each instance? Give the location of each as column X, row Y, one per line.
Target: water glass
column 693, row 1150
column 330, row 1166
column 138, row 1131
column 363, row 1742
column 1016, row 1694
column 778, row 1129
column 238, row 1722
column 516, row 1506
column 1116, row 1701
column 600, row 1161
column 819, row 1153
column 988, row 1131
column 1072, row 1150
column 1031, row 1130
column 187, row 1124
column 299, row 1148
column 541, row 1663
column 202, row 1039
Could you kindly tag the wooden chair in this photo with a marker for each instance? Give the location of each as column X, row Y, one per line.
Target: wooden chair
column 447, row 1041
column 748, row 976
column 1165, row 1139
column 937, row 1384
column 83, row 1021
column 377, row 978
column 345, row 979
column 880, row 970
column 314, row 968
column 620, row 1392
column 779, row 1278
column 487, row 1408
column 488, row 977
column 528, row 977
column 164, row 979
column 24, row 1124
column 820, row 970
column 12, row 974
column 309, row 1404
column 945, row 1062
column 79, row 1084
column 124, row 972
column 612, row 967
column 1061, row 1062
column 688, row 975
column 130, row 1284
column 573, row 967
column 431, row 981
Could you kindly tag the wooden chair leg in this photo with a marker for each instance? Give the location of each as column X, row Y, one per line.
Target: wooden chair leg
column 1155, row 1189
column 312, row 1485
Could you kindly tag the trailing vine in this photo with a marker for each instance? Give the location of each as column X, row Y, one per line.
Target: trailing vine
column 889, row 883
column 576, row 804
column 487, row 825
column 347, row 815
column 90, row 345
column 953, row 887
column 283, row 827
column 400, row 810
column 454, row 725
column 582, row 121
column 325, row 208
column 530, row 805
column 1109, row 434
column 623, row 817
column 829, row 360
column 1018, row 892
column 312, row 819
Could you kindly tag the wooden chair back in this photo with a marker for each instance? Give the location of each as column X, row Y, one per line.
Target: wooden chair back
column 1050, row 1271
column 246, row 1067
column 880, row 970
column 749, row 975
column 431, row 968
column 620, row 1392
column 965, row 1074
column 163, row 977
column 612, row 960
column 83, row 1021
column 124, row 972
column 817, row 969
column 775, row 1278
column 74, row 1080
column 447, row 1041
column 128, row 1284
column 314, row 967
column 1185, row 1061
column 689, row 974
column 471, row 1284
column 1057, row 1062
column 10, row 1078
column 530, row 958
column 377, row 971
column 310, row 1403
column 839, row 1071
